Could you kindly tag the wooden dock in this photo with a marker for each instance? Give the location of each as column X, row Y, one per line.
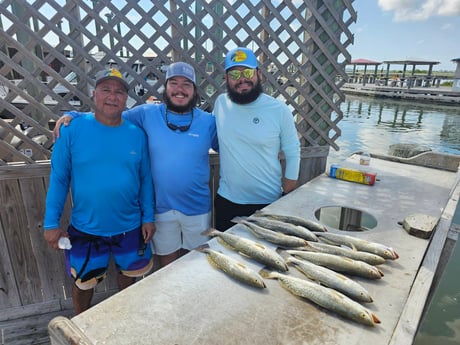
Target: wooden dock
column 441, row 95
column 189, row 301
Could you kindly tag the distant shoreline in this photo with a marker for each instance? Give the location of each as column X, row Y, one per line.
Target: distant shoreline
column 442, row 95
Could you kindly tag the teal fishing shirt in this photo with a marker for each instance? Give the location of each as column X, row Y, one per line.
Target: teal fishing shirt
column 250, row 139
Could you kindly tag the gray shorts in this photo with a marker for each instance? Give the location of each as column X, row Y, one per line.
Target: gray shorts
column 175, row 230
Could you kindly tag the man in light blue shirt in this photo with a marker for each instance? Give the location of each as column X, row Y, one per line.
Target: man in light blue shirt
column 253, row 128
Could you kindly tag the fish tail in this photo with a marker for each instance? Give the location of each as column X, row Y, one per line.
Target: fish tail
column 266, row 273
column 238, row 219
column 202, row 248
column 209, row 232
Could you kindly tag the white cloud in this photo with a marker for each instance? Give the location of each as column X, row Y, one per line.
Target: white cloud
column 417, row 10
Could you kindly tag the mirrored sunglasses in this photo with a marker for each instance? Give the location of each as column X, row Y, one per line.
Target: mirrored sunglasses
column 236, row 74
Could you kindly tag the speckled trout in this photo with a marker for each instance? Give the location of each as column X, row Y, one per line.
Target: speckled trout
column 232, row 267
column 285, row 228
column 255, row 250
column 307, row 223
column 360, row 244
column 370, row 258
column 270, row 235
column 339, row 263
column 325, row 297
column 332, row 279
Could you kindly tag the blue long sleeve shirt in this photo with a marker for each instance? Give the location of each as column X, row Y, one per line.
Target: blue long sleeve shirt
column 108, row 172
column 179, row 160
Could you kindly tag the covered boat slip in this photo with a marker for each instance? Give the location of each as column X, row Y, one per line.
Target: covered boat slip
column 191, row 302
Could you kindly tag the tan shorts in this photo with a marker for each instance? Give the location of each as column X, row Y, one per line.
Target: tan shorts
column 175, row 230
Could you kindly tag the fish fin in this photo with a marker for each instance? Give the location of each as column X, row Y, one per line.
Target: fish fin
column 352, row 246
column 245, row 255
column 242, row 265
column 308, row 248
column 260, row 245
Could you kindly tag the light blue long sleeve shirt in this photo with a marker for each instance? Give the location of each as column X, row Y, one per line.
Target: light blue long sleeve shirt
column 250, row 139
column 108, row 172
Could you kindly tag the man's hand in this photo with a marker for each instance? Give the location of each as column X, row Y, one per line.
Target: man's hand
column 148, row 230
column 289, row 185
column 63, row 120
column 52, row 237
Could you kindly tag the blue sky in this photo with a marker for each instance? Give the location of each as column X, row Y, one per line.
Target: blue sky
column 401, row 29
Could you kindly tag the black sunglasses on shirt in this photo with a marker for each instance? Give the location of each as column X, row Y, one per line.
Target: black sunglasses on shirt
column 174, row 127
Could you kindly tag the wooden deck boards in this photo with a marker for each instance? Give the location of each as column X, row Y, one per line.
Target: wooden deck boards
column 29, row 330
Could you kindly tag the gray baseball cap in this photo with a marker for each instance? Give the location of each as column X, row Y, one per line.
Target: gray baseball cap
column 181, row 69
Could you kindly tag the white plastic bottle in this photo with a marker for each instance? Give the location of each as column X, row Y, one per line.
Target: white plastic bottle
column 64, row 243
column 365, row 158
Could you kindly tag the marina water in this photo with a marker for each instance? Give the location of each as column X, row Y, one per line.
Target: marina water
column 372, row 125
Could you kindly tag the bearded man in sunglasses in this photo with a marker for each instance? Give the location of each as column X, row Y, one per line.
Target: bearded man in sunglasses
column 180, row 136
column 253, row 128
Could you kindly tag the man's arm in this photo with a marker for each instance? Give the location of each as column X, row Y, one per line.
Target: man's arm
column 57, row 191
column 65, row 120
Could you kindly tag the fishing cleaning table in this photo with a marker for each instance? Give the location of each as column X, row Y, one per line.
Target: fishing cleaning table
column 191, row 302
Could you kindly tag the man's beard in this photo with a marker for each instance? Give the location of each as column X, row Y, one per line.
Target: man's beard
column 179, row 109
column 246, row 97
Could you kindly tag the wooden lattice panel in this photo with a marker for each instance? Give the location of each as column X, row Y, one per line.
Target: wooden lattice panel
column 301, row 46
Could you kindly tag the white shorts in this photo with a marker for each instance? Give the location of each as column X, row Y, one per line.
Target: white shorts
column 175, row 230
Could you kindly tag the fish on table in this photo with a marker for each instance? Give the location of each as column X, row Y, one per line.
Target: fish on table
column 331, row 279
column 307, row 223
column 232, row 267
column 252, row 249
column 339, row 263
column 285, row 228
column 325, row 297
column 370, row 258
column 272, row 236
column 360, row 244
